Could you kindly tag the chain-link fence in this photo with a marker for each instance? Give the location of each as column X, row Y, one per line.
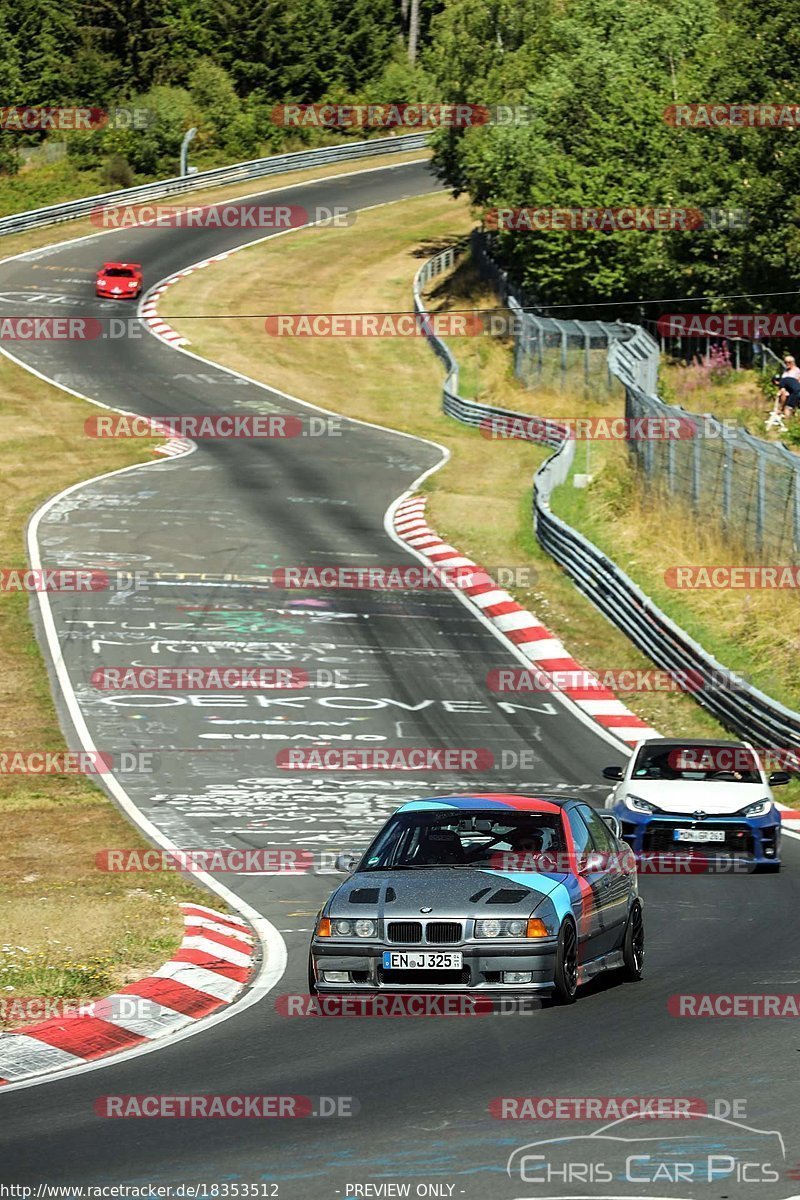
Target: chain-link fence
column 740, row 486
column 549, row 352
column 746, row 489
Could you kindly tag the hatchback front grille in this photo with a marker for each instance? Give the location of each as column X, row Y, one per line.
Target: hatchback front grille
column 405, row 932
column 660, row 839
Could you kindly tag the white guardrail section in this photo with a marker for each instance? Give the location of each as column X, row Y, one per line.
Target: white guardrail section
column 257, row 168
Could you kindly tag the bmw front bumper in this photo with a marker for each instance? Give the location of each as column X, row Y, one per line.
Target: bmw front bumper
column 482, row 970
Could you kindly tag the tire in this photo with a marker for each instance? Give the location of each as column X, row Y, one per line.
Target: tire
column 565, row 977
column 767, row 868
column 633, row 945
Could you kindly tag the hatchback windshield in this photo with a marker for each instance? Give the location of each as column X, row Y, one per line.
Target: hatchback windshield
column 721, row 764
column 457, row 839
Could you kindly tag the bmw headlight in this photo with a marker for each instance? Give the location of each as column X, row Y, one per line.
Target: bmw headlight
column 640, row 805
column 494, row 929
column 759, row 808
column 360, row 928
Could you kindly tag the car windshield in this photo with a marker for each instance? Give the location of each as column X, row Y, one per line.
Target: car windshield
column 711, row 764
column 425, row 839
column 119, row 272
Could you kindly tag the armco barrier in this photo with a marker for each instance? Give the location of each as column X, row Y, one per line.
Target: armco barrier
column 743, row 709
column 238, row 173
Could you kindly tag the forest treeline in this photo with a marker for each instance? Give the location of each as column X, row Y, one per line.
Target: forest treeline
column 595, row 77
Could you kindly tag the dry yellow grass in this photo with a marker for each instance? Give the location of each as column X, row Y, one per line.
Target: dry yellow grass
column 66, row 929
column 481, row 500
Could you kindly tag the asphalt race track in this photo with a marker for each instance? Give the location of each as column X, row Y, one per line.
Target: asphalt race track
column 205, row 528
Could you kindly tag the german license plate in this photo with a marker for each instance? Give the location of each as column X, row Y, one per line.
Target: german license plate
column 699, row 835
column 421, row 960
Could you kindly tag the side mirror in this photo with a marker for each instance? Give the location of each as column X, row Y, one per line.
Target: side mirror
column 776, row 778
column 611, row 821
column 347, row 862
column 615, row 773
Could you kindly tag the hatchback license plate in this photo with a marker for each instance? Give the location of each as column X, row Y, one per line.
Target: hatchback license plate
column 421, row 960
column 699, row 835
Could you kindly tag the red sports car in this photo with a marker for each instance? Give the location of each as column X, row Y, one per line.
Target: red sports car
column 119, row 281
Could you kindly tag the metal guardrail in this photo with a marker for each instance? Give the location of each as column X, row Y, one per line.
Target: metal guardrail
column 741, row 708
column 257, row 168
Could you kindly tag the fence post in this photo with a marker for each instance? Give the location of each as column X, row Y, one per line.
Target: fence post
column 761, row 498
column 563, row 356
column 727, row 472
column 696, row 468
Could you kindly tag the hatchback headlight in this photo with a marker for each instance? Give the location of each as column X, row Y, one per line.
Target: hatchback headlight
column 759, row 808
column 640, row 805
column 493, row 928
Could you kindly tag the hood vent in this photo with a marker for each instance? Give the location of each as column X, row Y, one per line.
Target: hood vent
column 479, row 895
column 364, row 896
column 508, row 896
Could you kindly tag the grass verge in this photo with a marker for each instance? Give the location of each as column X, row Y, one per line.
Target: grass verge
column 68, row 929
column 481, row 500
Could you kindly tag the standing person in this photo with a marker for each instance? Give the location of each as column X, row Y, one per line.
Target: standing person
column 786, row 402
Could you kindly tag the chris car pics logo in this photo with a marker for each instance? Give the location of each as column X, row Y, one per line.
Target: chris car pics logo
column 716, row 1151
